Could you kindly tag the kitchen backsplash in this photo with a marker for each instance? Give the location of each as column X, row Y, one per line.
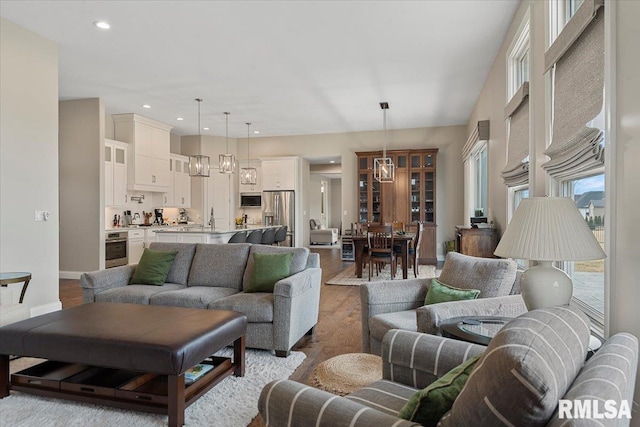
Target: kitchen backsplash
column 147, row 205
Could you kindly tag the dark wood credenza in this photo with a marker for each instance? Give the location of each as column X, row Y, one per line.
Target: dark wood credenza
column 480, row 242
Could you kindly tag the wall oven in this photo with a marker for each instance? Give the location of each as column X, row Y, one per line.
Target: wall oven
column 116, row 249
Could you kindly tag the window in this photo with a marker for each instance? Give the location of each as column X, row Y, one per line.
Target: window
column 479, row 166
column 588, row 276
column 518, row 59
column 560, row 11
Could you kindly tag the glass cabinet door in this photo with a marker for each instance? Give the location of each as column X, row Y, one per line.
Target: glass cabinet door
column 375, row 200
column 363, row 197
column 415, row 196
column 429, row 196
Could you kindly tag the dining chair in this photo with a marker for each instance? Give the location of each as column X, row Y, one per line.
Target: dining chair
column 414, row 248
column 380, row 242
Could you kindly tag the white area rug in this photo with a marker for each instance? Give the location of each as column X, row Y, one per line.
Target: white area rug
column 232, row 403
column 348, row 275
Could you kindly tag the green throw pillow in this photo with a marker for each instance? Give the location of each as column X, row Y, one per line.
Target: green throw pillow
column 153, row 268
column 440, row 292
column 428, row 405
column 267, row 270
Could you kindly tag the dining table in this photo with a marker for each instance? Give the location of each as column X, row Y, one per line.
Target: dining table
column 360, row 243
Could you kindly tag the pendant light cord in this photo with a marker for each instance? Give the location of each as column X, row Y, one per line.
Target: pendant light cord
column 248, row 125
column 227, row 119
column 384, row 134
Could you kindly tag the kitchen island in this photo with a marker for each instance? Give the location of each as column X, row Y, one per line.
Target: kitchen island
column 203, row 234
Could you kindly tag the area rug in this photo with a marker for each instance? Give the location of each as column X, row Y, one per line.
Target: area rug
column 348, row 275
column 232, row 403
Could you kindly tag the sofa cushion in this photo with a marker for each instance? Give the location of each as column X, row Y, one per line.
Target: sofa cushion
column 527, row 367
column 179, row 271
column 135, row 294
column 257, row 306
column 428, row 405
column 384, row 396
column 191, row 297
column 298, row 263
column 383, row 323
column 440, row 292
column 153, row 268
column 494, row 277
column 267, row 270
column 220, row 265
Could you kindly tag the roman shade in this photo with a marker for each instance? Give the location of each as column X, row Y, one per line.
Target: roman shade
column 480, row 133
column 578, row 89
column 516, row 172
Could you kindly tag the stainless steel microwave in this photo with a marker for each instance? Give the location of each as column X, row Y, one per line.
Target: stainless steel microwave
column 250, row 200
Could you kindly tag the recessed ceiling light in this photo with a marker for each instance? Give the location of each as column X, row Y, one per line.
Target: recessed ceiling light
column 146, row 106
column 205, row 128
column 103, row 25
column 332, row 161
column 256, row 131
column 179, row 118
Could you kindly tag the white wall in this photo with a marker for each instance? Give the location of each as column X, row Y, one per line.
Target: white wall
column 82, row 212
column 29, row 162
column 448, row 139
column 335, row 204
column 313, row 192
column 625, row 243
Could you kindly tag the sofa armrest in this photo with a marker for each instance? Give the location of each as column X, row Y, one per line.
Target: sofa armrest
column 431, row 316
column 296, row 306
column 288, row 403
column 417, row 359
column 389, row 297
column 99, row 281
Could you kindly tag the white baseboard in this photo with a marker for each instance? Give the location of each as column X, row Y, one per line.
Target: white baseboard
column 45, row 308
column 70, row 275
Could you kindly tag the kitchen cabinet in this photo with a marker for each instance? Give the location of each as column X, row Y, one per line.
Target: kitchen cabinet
column 136, row 245
column 410, row 198
column 478, row 242
column 148, row 153
column 115, row 173
column 179, row 193
column 279, row 173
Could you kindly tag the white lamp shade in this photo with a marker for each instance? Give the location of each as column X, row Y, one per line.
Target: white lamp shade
column 549, row 229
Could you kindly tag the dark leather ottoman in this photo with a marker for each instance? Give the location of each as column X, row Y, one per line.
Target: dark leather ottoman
column 142, row 338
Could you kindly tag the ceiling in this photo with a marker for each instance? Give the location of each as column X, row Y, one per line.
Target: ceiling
column 288, row 67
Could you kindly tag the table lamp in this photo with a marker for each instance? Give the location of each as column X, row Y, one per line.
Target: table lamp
column 548, row 229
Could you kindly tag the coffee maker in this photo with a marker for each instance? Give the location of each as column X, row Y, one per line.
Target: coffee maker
column 182, row 216
column 158, row 218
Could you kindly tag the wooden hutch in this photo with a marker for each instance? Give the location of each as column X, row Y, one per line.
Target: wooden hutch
column 410, row 199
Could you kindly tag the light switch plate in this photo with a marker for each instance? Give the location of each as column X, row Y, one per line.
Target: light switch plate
column 39, row 216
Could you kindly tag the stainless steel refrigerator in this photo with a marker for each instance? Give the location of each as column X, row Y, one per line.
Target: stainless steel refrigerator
column 279, row 208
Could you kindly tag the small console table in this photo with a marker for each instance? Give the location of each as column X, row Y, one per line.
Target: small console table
column 7, row 278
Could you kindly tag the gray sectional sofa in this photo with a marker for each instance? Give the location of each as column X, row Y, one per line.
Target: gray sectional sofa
column 213, row 276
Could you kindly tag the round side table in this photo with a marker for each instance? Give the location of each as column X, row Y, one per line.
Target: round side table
column 16, row 277
column 475, row 329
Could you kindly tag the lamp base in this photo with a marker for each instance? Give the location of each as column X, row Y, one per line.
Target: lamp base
column 545, row 286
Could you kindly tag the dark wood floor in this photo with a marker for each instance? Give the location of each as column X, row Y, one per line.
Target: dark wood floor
column 338, row 330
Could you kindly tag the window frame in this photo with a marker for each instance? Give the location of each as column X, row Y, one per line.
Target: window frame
column 478, row 181
column 519, row 49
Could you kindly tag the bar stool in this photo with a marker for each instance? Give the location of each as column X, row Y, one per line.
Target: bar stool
column 281, row 235
column 268, row 236
column 255, row 236
column 239, row 237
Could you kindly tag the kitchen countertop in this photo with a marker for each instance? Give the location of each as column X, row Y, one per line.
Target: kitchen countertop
column 208, row 230
column 151, row 227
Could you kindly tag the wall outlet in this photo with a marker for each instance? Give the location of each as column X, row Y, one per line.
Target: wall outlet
column 41, row 216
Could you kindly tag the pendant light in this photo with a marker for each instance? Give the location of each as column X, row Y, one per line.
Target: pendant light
column 248, row 175
column 199, row 164
column 227, row 161
column 383, row 167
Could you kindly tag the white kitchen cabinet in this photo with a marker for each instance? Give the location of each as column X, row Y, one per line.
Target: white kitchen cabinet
column 148, row 152
column 115, row 173
column 135, row 245
column 219, row 197
column 279, row 174
column 179, row 194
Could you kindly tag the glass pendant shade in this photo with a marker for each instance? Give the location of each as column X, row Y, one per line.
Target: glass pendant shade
column 199, row 165
column 227, row 161
column 248, row 175
column 384, row 169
